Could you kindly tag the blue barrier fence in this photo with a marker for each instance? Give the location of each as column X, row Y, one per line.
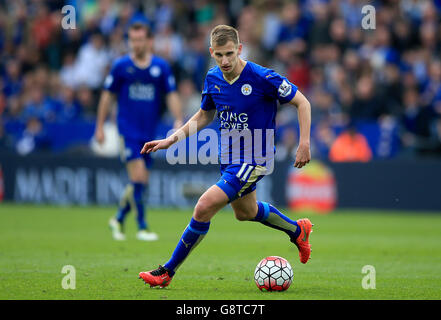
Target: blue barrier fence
column 82, row 180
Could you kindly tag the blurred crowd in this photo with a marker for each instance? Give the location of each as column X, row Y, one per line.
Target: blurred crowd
column 374, row 93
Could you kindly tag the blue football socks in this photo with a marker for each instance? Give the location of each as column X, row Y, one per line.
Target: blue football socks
column 133, row 196
column 138, row 197
column 192, row 236
column 273, row 218
column 124, row 203
column 122, row 212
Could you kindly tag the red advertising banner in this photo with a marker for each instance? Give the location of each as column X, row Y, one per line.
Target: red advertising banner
column 312, row 188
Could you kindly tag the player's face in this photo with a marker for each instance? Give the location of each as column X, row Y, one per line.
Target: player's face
column 226, row 56
column 139, row 42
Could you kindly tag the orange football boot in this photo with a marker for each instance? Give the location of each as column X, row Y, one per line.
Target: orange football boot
column 159, row 277
column 302, row 241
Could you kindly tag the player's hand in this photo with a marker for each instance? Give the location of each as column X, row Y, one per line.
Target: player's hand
column 155, row 145
column 303, row 155
column 99, row 135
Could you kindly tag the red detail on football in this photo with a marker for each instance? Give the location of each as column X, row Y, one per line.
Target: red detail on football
column 278, row 271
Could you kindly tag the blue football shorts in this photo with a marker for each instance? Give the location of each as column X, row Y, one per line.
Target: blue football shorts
column 238, row 180
column 130, row 150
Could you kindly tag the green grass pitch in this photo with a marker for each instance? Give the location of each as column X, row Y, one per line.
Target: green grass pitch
column 37, row 241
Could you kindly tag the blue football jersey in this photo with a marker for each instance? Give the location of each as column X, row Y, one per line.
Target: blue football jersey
column 246, row 110
column 140, row 93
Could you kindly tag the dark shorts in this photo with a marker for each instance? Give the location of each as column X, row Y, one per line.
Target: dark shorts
column 130, row 150
column 238, row 180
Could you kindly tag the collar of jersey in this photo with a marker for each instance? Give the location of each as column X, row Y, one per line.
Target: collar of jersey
column 230, row 82
column 139, row 67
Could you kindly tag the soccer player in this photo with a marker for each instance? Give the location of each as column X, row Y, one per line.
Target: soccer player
column 139, row 81
column 245, row 97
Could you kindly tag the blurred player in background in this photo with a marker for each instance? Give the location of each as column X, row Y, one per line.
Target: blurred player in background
column 245, row 97
column 138, row 81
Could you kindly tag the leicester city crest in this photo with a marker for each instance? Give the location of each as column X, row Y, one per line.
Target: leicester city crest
column 246, row 89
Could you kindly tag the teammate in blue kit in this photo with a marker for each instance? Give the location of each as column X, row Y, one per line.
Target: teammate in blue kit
column 245, row 96
column 138, row 82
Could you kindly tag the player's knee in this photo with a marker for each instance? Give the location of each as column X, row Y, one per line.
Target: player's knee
column 203, row 210
column 243, row 215
column 137, row 172
column 139, row 177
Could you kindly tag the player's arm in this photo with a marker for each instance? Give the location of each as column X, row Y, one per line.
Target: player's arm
column 303, row 154
column 107, row 99
column 199, row 121
column 175, row 106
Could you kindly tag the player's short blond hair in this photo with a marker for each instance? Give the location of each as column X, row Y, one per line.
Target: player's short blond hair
column 222, row 33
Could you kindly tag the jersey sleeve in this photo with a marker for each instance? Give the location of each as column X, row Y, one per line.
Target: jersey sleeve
column 207, row 102
column 113, row 79
column 168, row 79
column 279, row 87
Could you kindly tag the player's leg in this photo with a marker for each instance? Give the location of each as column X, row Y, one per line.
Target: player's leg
column 125, row 203
column 116, row 223
column 132, row 198
column 240, row 184
column 139, row 176
column 133, row 195
column 208, row 205
column 247, row 208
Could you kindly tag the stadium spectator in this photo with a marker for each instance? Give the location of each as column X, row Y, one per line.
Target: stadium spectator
column 437, row 129
column 247, row 25
column 351, row 11
column 12, row 80
column 271, row 23
column 190, row 97
column 350, row 146
column 403, row 36
column 323, row 137
column 164, row 15
column 2, row 103
column 117, row 44
column 317, row 44
column 338, row 34
column 432, row 87
column 91, row 63
column 87, row 102
column 287, row 147
column 391, row 90
column 107, row 16
column 42, row 26
column 346, row 100
column 168, row 44
column 6, row 142
column 39, row 106
column 67, row 71
column 34, row 137
column 323, row 105
column 319, row 34
column 194, row 60
column 70, row 109
column 417, row 124
column 13, row 108
column 298, row 71
column 294, row 25
column 367, row 105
